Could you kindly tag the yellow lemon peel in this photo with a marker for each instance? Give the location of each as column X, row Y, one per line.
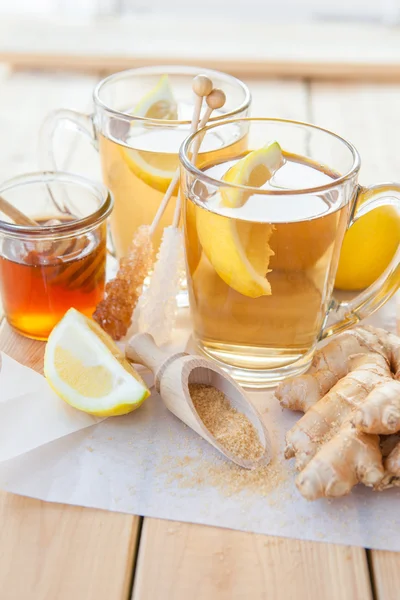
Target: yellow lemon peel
column 86, row 369
column 239, row 250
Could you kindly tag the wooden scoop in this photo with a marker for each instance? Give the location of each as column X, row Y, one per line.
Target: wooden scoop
column 174, row 372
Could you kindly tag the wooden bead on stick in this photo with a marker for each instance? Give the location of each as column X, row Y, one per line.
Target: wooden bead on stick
column 216, row 99
column 202, row 85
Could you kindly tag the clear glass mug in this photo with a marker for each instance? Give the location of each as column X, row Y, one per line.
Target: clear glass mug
column 261, row 271
column 59, row 264
column 140, row 155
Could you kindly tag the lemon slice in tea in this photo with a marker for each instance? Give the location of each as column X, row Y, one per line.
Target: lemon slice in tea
column 254, row 170
column 154, row 167
column 86, row 369
column 239, row 250
column 159, row 103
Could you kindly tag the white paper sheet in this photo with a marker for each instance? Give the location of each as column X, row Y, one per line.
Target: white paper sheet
column 148, row 463
column 31, row 414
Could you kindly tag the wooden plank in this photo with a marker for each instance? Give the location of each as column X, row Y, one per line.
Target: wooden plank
column 50, row 551
column 200, row 562
column 386, row 574
column 368, row 116
column 239, row 68
column 250, row 46
column 193, row 561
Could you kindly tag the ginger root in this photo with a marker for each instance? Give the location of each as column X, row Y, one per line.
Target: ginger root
column 391, row 454
column 350, row 396
column 392, row 468
column 381, row 411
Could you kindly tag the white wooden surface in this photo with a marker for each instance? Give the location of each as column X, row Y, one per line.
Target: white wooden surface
column 250, row 45
column 368, row 116
column 25, row 100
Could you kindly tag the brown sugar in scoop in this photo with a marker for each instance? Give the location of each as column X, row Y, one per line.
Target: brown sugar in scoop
column 232, row 429
column 206, row 399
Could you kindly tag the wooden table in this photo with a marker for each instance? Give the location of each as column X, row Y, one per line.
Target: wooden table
column 57, row 552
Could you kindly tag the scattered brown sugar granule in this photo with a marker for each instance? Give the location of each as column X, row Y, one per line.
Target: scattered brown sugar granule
column 198, row 472
column 232, row 429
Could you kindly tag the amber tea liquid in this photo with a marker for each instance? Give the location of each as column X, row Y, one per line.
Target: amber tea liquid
column 40, row 281
column 139, row 171
column 259, row 334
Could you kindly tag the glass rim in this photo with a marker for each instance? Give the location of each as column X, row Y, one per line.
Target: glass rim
column 169, row 70
column 63, row 229
column 185, row 161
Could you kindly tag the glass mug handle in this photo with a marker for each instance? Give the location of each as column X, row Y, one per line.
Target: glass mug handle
column 79, row 122
column 347, row 314
column 82, row 124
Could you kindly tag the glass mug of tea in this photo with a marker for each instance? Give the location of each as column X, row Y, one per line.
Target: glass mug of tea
column 262, row 261
column 140, row 119
column 56, row 258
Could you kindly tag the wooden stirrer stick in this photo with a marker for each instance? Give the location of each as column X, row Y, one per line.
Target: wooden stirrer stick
column 202, row 87
column 215, row 99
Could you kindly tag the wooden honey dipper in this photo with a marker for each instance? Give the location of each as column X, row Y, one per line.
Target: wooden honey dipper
column 16, row 215
column 60, row 248
column 175, row 372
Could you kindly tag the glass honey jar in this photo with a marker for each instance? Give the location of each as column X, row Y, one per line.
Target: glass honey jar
column 58, row 261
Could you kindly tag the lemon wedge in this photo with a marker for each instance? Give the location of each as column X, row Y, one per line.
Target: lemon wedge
column 368, row 247
column 86, row 369
column 239, row 250
column 158, row 103
column 254, row 170
column 154, row 168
